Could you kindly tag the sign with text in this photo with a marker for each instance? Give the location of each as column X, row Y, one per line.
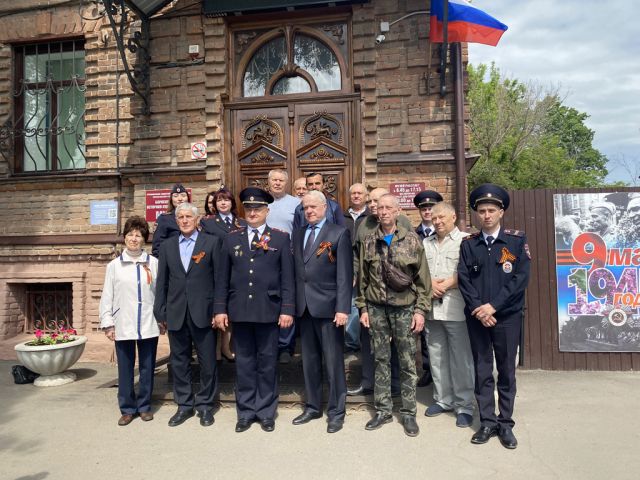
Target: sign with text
column 405, row 193
column 156, row 202
column 103, row 212
column 598, row 271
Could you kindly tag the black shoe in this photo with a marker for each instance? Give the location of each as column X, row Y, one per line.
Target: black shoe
column 425, row 380
column 206, row 418
column 243, row 425
column 306, row 417
column 334, row 426
column 359, row 390
column 508, row 439
column 285, row 358
column 484, row 434
column 410, row 425
column 268, row 424
column 180, row 417
column 379, row 420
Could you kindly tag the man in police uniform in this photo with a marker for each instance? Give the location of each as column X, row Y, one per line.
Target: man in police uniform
column 256, row 291
column 493, row 273
column 424, row 201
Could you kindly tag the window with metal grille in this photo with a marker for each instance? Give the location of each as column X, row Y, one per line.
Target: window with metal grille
column 49, row 306
column 48, row 126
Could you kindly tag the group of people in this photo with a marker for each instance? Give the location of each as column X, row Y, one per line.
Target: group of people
column 360, row 279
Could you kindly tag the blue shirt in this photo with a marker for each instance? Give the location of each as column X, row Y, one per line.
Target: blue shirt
column 186, row 248
column 388, row 238
column 281, row 213
column 318, row 226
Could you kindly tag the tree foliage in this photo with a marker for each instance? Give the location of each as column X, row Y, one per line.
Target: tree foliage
column 526, row 137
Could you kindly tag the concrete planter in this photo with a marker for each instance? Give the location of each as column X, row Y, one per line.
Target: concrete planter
column 51, row 361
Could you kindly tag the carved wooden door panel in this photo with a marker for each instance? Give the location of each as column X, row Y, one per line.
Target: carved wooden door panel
column 323, row 144
column 300, row 138
column 261, row 142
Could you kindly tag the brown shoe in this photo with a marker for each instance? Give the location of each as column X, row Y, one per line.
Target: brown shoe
column 146, row 416
column 125, row 419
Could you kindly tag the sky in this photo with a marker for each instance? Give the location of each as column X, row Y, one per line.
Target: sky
column 590, row 50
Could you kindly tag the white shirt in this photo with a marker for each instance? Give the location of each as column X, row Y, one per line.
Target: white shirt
column 355, row 214
column 443, row 263
column 494, row 235
column 260, row 231
column 127, row 297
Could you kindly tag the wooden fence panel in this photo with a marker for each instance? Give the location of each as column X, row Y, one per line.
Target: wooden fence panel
column 532, row 211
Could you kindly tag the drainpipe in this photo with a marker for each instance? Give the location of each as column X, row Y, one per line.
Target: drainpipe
column 461, row 167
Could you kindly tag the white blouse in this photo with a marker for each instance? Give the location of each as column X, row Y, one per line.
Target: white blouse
column 128, row 295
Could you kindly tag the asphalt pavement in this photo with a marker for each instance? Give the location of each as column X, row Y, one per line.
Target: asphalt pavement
column 570, row 425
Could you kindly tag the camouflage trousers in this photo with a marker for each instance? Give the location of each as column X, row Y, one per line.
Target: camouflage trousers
column 387, row 322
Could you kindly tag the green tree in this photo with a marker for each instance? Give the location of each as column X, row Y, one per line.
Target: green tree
column 526, row 137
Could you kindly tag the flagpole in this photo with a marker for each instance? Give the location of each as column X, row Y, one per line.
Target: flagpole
column 444, row 47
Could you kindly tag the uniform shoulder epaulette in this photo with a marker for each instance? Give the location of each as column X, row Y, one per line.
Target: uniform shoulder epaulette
column 470, row 236
column 514, row 233
column 237, row 230
column 278, row 230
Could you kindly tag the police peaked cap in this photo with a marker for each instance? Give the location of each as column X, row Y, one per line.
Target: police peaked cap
column 489, row 193
column 178, row 188
column 255, row 197
column 426, row 198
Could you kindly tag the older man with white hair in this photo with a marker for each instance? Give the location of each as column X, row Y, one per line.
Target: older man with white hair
column 187, row 266
column 447, row 335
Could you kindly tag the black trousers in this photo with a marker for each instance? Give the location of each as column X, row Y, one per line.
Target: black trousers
column 181, row 341
column 426, row 366
column 368, row 363
column 502, row 341
column 320, row 338
column 256, row 349
column 128, row 401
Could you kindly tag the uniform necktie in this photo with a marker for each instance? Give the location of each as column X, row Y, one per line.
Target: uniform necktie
column 308, row 248
column 228, row 221
column 490, row 240
column 255, row 239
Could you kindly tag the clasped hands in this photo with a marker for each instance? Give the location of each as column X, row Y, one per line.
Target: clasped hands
column 417, row 321
column 484, row 313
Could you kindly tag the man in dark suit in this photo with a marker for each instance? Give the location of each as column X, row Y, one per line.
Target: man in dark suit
column 424, row 201
column 315, row 181
column 256, row 291
column 493, row 273
column 184, row 304
column 324, row 277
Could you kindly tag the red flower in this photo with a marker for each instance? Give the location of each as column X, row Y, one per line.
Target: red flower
column 39, row 334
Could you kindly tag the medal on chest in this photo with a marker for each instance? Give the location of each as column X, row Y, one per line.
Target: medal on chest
column 507, row 267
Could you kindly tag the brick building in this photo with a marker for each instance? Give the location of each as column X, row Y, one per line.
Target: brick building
column 305, row 87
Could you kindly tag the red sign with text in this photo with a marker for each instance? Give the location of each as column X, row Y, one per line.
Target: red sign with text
column 156, row 203
column 405, row 193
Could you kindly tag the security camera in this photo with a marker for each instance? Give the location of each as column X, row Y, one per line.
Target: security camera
column 380, row 38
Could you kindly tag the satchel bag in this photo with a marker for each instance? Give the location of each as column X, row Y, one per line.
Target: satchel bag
column 395, row 278
column 22, row 375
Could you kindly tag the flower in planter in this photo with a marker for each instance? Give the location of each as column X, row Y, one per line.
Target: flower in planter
column 61, row 335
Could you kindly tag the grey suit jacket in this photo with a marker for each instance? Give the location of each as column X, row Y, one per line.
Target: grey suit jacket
column 176, row 289
column 324, row 286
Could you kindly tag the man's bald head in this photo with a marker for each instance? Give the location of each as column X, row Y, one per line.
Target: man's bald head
column 374, row 196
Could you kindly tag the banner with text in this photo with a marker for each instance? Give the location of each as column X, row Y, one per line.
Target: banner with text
column 598, row 270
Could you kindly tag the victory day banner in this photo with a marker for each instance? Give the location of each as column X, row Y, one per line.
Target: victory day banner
column 598, row 270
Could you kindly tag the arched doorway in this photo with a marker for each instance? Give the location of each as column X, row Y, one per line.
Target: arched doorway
column 293, row 106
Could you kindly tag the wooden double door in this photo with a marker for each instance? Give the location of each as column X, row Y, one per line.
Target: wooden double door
column 297, row 137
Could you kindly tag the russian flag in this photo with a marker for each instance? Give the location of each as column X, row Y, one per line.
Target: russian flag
column 466, row 23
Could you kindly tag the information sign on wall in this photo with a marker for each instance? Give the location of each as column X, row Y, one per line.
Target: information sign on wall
column 405, row 193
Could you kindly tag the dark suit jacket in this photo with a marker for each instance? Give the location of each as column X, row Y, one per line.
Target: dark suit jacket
column 177, row 289
column 334, row 214
column 214, row 225
column 324, row 287
column 255, row 285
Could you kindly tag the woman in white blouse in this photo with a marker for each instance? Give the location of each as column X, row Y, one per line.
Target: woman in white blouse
column 126, row 316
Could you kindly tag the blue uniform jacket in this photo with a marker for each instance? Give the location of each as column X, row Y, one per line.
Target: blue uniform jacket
column 214, row 225
column 166, row 227
column 499, row 276
column 255, row 285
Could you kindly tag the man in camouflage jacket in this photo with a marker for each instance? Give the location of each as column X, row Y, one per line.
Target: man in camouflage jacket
column 391, row 314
